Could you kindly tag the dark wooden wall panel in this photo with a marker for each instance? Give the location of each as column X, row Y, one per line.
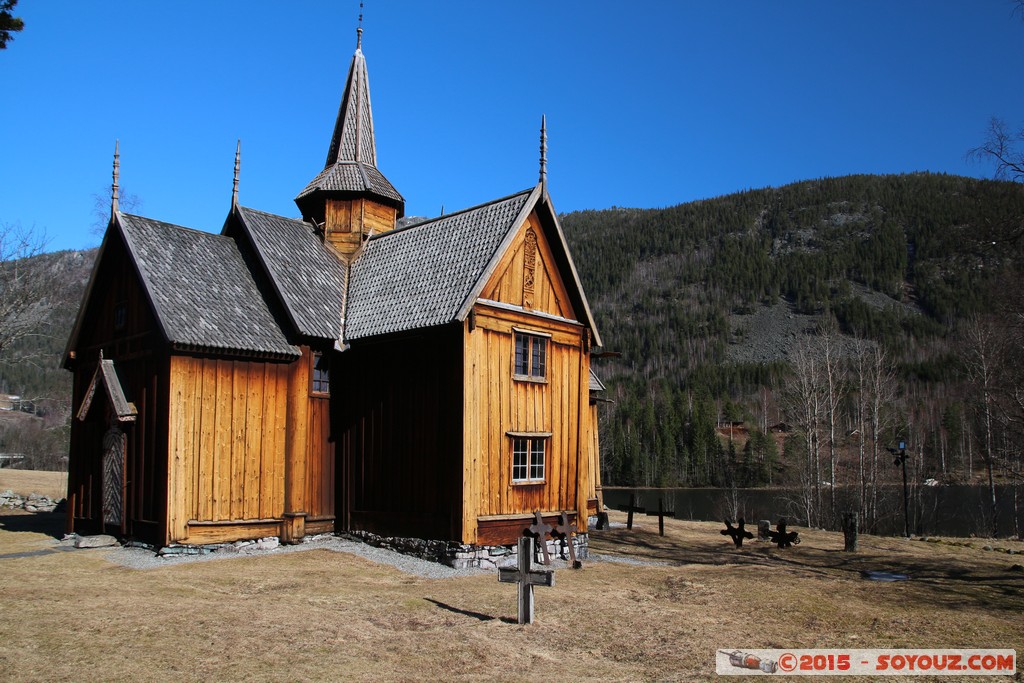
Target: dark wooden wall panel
column 397, row 420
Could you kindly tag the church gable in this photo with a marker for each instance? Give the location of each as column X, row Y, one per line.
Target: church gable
column 424, row 275
column 306, row 276
column 528, row 276
column 202, row 290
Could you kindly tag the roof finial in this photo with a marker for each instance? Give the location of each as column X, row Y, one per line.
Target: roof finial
column 543, row 149
column 359, row 31
column 116, row 175
column 238, row 167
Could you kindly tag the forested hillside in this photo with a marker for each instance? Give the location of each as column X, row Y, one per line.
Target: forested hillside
column 777, row 336
column 37, row 426
column 721, row 308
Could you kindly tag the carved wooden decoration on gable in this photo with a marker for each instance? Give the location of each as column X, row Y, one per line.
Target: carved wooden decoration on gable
column 529, row 265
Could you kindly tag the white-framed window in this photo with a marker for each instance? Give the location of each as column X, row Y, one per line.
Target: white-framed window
column 531, row 356
column 528, row 458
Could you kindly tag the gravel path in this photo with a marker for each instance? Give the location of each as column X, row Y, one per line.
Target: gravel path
column 141, row 558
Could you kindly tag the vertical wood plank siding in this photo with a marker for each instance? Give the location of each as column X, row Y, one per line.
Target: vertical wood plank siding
column 131, row 339
column 556, row 406
column 220, row 474
column 398, row 427
column 320, row 477
column 549, row 293
column 346, row 221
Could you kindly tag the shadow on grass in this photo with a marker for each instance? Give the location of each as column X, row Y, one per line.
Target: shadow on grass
column 943, row 580
column 48, row 523
column 469, row 613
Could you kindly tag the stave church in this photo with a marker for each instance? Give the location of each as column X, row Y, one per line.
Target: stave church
column 348, row 371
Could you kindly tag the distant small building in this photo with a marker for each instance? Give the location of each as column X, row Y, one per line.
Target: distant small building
column 335, row 372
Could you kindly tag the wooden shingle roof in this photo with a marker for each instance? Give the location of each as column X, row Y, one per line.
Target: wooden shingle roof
column 201, row 289
column 351, row 165
column 308, row 278
column 106, row 375
column 422, row 276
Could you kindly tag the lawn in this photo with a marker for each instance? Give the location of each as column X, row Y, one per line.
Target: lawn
column 657, row 609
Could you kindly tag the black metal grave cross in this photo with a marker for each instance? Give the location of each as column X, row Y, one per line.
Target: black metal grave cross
column 540, row 530
column 565, row 532
column 736, row 533
column 527, row 577
column 783, row 538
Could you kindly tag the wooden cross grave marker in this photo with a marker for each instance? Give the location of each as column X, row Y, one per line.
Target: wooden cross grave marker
column 565, row 532
column 737, row 534
column 540, row 530
column 784, row 539
column 527, row 577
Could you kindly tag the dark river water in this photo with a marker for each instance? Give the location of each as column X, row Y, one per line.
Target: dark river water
column 955, row 510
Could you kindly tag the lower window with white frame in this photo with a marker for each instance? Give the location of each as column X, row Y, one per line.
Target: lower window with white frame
column 528, row 456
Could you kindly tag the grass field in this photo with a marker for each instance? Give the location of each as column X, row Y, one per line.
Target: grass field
column 326, row 616
column 53, row 485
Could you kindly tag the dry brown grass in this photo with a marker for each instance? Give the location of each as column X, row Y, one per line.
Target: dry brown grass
column 53, row 485
column 320, row 615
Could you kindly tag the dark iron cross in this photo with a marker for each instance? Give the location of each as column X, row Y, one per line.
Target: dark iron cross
column 527, row 577
column 736, row 533
column 540, row 530
column 565, row 532
column 783, row 538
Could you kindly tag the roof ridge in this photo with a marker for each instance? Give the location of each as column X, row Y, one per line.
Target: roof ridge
column 172, row 225
column 275, row 215
column 448, row 216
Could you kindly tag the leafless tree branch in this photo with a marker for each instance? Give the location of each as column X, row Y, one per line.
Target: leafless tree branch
column 29, row 287
column 1004, row 148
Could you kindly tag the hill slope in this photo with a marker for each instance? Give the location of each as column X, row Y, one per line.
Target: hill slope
column 711, row 299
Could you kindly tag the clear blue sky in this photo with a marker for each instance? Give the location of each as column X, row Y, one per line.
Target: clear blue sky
column 649, row 104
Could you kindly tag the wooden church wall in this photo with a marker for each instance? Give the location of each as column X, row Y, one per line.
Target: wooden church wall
column 145, row 469
column 320, row 471
column 398, row 427
column 226, row 448
column 497, row 404
column 117, row 321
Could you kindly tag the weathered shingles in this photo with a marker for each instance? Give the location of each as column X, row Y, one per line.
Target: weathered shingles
column 420, row 276
column 352, row 177
column 309, row 278
column 202, row 290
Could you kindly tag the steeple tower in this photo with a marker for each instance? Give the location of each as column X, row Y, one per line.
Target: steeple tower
column 350, row 198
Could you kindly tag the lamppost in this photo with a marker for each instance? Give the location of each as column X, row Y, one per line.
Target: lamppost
column 901, row 460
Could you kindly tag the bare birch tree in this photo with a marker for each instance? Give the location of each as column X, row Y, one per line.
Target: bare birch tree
column 804, row 401
column 982, row 354
column 832, row 394
column 29, row 287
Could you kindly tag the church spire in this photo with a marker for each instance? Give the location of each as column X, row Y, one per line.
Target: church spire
column 350, row 183
column 353, row 138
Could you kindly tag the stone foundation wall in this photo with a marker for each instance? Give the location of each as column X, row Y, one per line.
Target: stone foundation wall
column 461, row 556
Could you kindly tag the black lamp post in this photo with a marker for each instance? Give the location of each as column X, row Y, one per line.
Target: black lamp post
column 901, row 459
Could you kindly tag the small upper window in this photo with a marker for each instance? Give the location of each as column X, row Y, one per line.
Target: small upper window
column 531, row 356
column 321, row 375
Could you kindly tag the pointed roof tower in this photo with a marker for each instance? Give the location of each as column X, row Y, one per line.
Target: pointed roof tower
column 351, row 168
